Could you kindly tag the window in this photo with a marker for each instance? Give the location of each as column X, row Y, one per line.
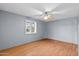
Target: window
column 30, row 27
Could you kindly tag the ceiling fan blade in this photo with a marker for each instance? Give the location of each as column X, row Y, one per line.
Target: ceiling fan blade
column 61, row 12
column 67, row 12
column 33, row 12
column 40, row 8
column 64, row 6
column 37, row 16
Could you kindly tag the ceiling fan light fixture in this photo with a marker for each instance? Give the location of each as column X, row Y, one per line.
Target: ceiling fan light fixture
column 47, row 17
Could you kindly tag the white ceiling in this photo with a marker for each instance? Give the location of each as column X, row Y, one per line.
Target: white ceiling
column 59, row 10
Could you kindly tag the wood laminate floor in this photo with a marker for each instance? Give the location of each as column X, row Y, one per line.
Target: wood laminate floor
column 45, row 47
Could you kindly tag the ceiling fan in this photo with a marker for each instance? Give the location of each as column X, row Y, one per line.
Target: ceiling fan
column 48, row 14
column 45, row 15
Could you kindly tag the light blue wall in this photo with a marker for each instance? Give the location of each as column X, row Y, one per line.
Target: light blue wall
column 63, row 30
column 45, row 31
column 12, row 30
column 78, row 35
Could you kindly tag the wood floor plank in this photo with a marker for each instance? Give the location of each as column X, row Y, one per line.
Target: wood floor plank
column 45, row 47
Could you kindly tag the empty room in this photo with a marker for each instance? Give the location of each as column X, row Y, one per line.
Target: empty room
column 39, row 29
